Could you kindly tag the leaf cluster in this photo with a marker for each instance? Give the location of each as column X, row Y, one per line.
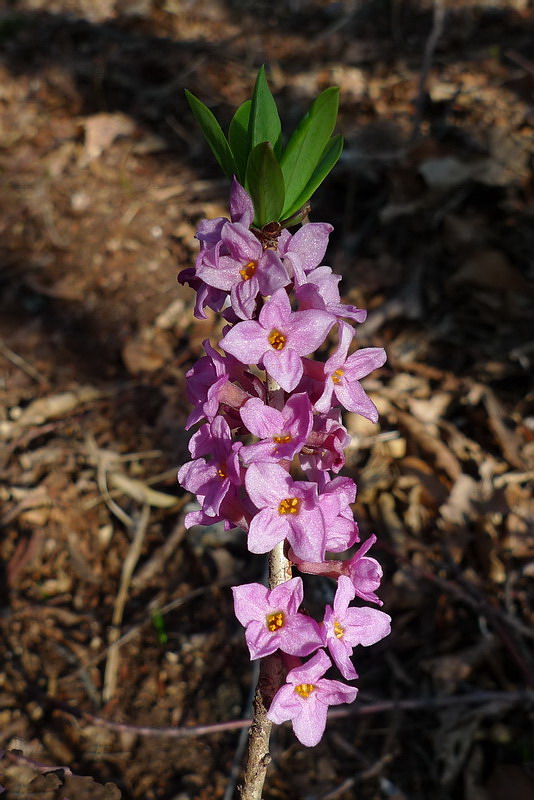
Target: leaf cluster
column 280, row 180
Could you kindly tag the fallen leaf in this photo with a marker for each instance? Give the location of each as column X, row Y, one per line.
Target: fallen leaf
column 55, row 406
column 101, row 130
column 141, row 492
column 490, row 269
column 148, row 351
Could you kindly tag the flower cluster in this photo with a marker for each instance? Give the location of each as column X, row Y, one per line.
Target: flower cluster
column 270, row 444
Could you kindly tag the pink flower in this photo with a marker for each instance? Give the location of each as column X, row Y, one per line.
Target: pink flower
column 305, row 249
column 289, row 510
column 279, row 339
column 342, row 376
column 212, row 481
column 207, row 381
column 365, row 573
column 282, row 433
column 241, row 206
column 305, row 697
column 242, row 267
column 207, row 296
column 341, row 530
column 209, row 235
column 347, row 627
column 320, row 291
column 325, row 445
column 272, row 620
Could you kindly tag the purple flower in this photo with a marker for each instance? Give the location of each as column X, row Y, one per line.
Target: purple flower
column 320, row 291
column 342, row 375
column 209, row 235
column 305, row 698
column 305, row 249
column 207, row 296
column 279, row 339
column 233, row 512
column 241, row 205
column 282, row 433
column 341, row 530
column 347, row 627
column 206, row 381
column 288, row 509
column 325, row 445
column 242, row 267
column 272, row 620
column 212, row 481
column 365, row 573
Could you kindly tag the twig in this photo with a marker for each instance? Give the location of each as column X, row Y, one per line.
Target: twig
column 438, row 18
column 258, row 757
column 110, row 676
column 507, row 438
column 479, row 604
column 445, row 459
column 134, row 630
column 242, row 743
column 260, row 730
column 21, row 363
column 155, row 565
column 520, row 60
column 161, row 476
column 512, row 477
column 428, row 704
column 18, row 757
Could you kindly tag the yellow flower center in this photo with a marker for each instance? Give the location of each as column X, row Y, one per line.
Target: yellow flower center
column 248, row 270
column 290, row 505
column 277, row 339
column 221, row 471
column 304, row 689
column 275, row 621
column 283, row 439
column 337, row 375
column 338, row 630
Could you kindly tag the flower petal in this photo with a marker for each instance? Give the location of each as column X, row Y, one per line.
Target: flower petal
column 267, row 484
column 261, row 420
column 247, row 341
column 266, row 530
column 285, row 366
column 276, row 311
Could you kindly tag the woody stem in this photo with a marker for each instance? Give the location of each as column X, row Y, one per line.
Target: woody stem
column 258, row 757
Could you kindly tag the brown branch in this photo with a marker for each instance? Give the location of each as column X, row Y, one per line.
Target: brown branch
column 18, row 757
column 438, row 19
column 130, row 563
column 427, row 704
column 259, row 758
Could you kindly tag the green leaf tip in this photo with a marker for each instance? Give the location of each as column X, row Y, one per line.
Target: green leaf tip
column 213, row 133
column 307, row 144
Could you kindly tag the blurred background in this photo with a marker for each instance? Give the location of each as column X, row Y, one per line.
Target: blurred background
column 109, row 608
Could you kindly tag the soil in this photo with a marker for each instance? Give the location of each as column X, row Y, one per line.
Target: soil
column 104, row 177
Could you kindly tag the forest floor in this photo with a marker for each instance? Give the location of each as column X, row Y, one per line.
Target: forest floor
column 103, row 178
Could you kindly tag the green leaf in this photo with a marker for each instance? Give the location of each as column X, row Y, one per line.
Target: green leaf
column 265, row 184
column 159, row 626
column 328, row 160
column 307, row 145
column 238, row 138
column 213, row 133
column 264, row 123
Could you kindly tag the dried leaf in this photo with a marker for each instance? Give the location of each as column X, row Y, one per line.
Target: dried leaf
column 56, row 405
column 139, row 491
column 101, row 130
